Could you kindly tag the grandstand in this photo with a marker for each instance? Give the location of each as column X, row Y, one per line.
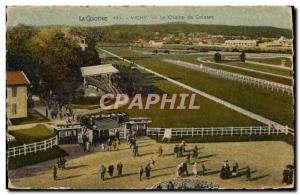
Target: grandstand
column 98, row 79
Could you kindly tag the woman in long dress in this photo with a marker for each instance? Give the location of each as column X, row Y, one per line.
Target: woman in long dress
column 195, row 169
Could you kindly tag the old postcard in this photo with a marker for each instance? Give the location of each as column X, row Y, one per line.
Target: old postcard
column 150, row 98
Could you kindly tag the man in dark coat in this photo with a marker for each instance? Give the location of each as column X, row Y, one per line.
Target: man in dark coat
column 120, row 169
column 248, row 173
column 102, row 172
column 55, row 173
column 111, row 170
column 185, row 169
column 148, row 170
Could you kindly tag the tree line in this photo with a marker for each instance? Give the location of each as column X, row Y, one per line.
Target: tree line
column 50, row 57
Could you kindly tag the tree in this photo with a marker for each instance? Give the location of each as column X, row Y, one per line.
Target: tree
column 218, row 57
column 243, row 57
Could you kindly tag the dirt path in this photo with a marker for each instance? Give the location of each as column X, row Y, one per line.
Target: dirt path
column 266, row 160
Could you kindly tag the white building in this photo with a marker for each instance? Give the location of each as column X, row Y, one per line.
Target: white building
column 281, row 42
column 241, row 43
column 157, row 44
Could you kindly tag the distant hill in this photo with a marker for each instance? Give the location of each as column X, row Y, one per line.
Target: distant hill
column 125, row 33
column 251, row 31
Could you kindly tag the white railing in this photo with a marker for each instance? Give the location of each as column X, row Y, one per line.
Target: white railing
column 269, row 85
column 32, row 148
column 219, row 131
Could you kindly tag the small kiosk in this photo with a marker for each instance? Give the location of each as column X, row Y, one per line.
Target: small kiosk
column 136, row 126
column 69, row 133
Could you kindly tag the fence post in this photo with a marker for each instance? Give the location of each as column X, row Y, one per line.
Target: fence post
column 231, row 131
column 251, row 130
column 181, row 131
column 45, row 145
column 14, row 151
column 56, row 140
column 260, row 130
column 269, row 130
column 212, row 131
column 202, row 131
column 192, row 131
column 24, row 147
column 35, row 147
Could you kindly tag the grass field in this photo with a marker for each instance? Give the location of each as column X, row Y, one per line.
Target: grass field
column 264, row 102
column 33, row 117
column 82, row 171
column 193, row 59
column 273, row 61
column 34, row 134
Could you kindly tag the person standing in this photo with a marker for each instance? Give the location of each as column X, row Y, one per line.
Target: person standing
column 148, row 170
column 248, row 173
column 188, row 158
column 102, row 172
column 203, row 169
column 120, row 169
column 141, row 172
column 195, row 169
column 170, row 186
column 160, row 151
column 196, row 153
column 185, row 169
column 136, row 150
column 111, row 170
column 55, row 173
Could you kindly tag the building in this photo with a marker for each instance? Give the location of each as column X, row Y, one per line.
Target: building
column 281, row 42
column 241, row 43
column 157, row 44
column 16, row 94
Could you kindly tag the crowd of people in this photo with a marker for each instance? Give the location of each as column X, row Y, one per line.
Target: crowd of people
column 288, row 175
column 57, row 110
column 110, row 171
column 60, row 165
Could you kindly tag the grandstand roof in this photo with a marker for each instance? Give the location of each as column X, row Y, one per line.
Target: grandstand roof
column 98, row 70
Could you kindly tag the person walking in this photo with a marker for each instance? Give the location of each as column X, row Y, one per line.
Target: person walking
column 141, row 172
column 102, row 172
column 120, row 169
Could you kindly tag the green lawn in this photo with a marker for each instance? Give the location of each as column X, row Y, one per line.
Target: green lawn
column 193, row 59
column 33, row 117
column 34, row 134
column 264, row 102
column 273, row 61
column 210, row 113
column 261, row 68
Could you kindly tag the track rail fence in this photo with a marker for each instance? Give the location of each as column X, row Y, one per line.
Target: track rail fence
column 220, row 131
column 32, row 148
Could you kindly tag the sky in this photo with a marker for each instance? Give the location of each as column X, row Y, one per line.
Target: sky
column 275, row 16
